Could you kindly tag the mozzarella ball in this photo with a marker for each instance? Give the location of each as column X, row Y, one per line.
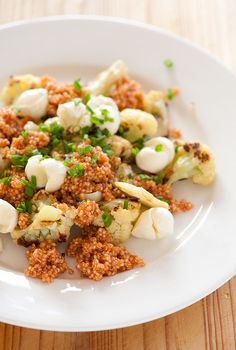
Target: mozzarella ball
column 104, row 107
column 34, row 168
column 73, row 116
column 55, row 172
column 156, row 155
column 154, row 223
column 32, row 103
column 167, row 145
column 8, row 217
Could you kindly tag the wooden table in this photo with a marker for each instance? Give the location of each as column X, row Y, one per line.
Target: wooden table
column 210, row 323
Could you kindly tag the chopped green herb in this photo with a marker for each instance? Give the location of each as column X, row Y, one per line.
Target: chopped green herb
column 77, row 85
column 66, row 161
column 56, row 130
column 135, row 151
column 130, row 176
column 95, row 120
column 107, row 219
column 161, row 198
column 159, row 178
column 25, row 207
column 139, row 144
column 24, row 134
column 30, row 186
column 77, row 101
column 84, row 150
column 170, row 94
column 77, row 170
column 176, row 149
column 159, row 147
column 44, row 157
column 121, row 131
column 44, row 128
column 84, row 132
column 145, row 177
column 94, row 159
column 126, row 204
column 124, row 180
column 6, row 180
column 69, row 147
column 86, row 98
column 107, row 149
column 19, row 161
column 168, row 63
column 106, row 115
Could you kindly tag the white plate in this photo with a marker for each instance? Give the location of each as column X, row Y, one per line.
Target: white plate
column 201, row 255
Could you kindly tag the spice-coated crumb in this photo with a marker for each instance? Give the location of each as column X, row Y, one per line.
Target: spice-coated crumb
column 45, row 262
column 86, row 213
column 97, row 256
column 127, row 94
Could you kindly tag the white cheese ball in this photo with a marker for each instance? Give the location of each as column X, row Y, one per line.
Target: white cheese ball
column 73, row 116
column 50, row 173
column 99, row 104
column 8, row 217
column 32, row 103
column 55, row 172
column 34, row 168
column 156, row 155
column 154, row 223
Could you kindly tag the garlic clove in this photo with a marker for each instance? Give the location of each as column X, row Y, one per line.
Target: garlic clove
column 149, row 160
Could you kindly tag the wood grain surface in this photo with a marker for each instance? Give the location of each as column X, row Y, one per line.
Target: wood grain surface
column 210, row 323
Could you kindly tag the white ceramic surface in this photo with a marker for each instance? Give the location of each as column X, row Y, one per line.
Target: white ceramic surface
column 201, row 255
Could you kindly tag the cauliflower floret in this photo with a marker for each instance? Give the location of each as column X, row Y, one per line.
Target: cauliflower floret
column 137, row 124
column 154, row 103
column 48, row 222
column 123, row 215
column 107, row 78
column 120, row 146
column 192, row 160
column 18, row 84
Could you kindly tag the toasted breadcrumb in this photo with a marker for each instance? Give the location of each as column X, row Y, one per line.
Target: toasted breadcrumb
column 97, row 257
column 23, row 220
column 10, row 124
column 86, row 213
column 163, row 192
column 174, row 134
column 45, row 262
column 23, row 145
column 127, row 94
column 58, row 93
column 14, row 191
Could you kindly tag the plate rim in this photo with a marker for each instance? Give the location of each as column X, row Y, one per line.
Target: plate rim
column 163, row 32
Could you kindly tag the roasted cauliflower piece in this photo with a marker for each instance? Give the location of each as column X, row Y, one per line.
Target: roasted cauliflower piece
column 18, row 84
column 137, row 124
column 123, row 214
column 192, row 160
column 154, row 103
column 101, row 85
column 49, row 221
column 120, row 146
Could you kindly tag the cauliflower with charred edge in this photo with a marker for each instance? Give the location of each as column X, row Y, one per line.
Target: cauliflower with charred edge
column 49, row 221
column 119, row 216
column 192, row 160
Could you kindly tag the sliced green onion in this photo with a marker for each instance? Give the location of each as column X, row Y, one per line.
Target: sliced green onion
column 94, row 159
column 106, row 115
column 24, row 134
column 77, row 85
column 168, row 63
column 69, row 147
column 25, row 207
column 77, row 170
column 77, row 101
column 170, row 94
column 144, row 177
column 19, row 161
column 86, row 98
column 84, row 150
column 126, row 204
column 107, row 219
column 6, row 180
column 159, row 147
